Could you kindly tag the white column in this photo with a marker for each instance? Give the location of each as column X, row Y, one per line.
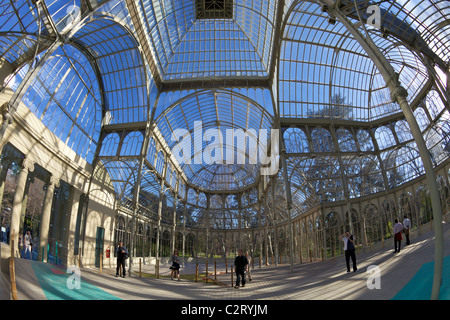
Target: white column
column 45, row 217
column 27, row 166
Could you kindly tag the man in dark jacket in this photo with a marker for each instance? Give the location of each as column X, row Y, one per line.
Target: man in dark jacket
column 122, row 255
column 349, row 249
column 240, row 267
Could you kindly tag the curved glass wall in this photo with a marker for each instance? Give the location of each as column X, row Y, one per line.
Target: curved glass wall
column 148, row 90
column 65, row 96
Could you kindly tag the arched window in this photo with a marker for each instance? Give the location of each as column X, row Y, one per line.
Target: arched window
column 65, row 96
column 322, row 140
column 364, row 140
column 110, row 145
column 192, row 197
column 160, row 163
column 165, row 244
column 372, row 226
column 168, row 173
column 120, row 231
column 388, row 215
column 422, row 118
column 353, row 225
column 189, row 245
column 151, row 151
column 346, row 141
column 403, row 131
column 132, row 144
column 332, row 231
column 385, row 137
column 434, row 104
column 424, row 204
column 139, row 243
column 295, row 140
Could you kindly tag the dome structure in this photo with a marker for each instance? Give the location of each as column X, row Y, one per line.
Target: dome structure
column 251, row 121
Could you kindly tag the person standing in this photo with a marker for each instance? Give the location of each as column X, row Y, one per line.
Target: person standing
column 349, row 249
column 175, row 267
column 3, row 232
column 249, row 261
column 28, row 242
column 398, row 228
column 407, row 227
column 240, row 266
column 122, row 255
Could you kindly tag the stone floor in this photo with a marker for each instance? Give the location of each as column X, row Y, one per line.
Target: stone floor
column 327, row 280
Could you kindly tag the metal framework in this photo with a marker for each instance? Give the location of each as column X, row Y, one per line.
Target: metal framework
column 358, row 89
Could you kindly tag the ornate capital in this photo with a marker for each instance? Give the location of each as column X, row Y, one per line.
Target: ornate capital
column 398, row 92
column 4, row 108
column 54, row 181
column 28, row 164
column 4, row 112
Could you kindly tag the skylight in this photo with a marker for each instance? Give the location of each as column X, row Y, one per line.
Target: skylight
column 214, row 9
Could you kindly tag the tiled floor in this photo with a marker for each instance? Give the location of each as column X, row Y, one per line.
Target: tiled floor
column 308, row 281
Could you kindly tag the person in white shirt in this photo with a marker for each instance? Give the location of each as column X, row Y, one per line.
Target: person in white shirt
column 349, row 249
column 398, row 228
column 27, row 245
column 406, row 226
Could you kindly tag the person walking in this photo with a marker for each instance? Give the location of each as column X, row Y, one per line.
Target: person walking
column 240, row 266
column 406, row 228
column 349, row 249
column 28, row 243
column 249, row 260
column 122, row 255
column 175, row 267
column 398, row 228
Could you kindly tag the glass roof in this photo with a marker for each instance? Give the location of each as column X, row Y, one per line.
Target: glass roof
column 129, row 77
column 226, row 115
column 325, row 73
column 117, row 56
column 186, row 47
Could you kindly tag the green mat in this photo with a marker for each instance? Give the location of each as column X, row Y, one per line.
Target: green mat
column 54, row 282
column 419, row 287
